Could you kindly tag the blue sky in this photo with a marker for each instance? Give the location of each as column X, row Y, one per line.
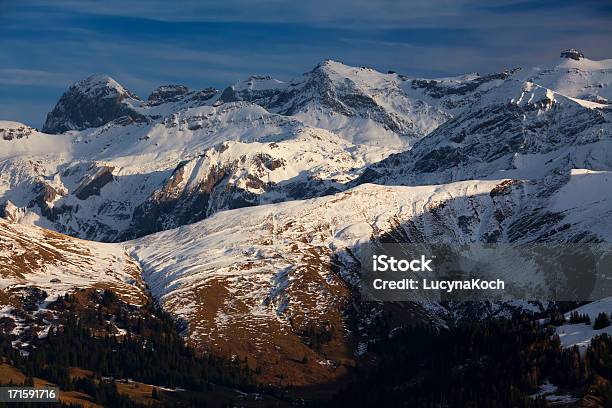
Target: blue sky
column 47, row 45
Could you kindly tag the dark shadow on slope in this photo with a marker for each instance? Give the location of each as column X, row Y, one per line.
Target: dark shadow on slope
column 493, row 218
column 479, row 142
column 168, row 208
column 105, row 222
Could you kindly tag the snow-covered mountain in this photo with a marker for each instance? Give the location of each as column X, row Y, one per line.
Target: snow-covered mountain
column 362, row 104
column 91, row 102
column 113, row 173
column 246, row 207
column 575, row 76
column 274, row 271
column 104, row 183
column 237, row 174
column 273, row 274
column 519, row 130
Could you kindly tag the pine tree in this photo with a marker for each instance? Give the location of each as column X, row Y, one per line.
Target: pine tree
column 602, row 320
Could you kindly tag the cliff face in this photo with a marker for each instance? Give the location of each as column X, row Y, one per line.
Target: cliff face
column 90, row 103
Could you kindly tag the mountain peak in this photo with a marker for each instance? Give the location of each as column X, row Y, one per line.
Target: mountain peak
column 330, row 62
column 167, row 92
column 97, row 82
column 101, row 84
column 333, row 65
column 572, row 53
column 336, row 70
column 99, row 78
column 91, row 102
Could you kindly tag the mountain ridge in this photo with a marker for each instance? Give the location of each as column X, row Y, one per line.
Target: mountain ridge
column 245, row 208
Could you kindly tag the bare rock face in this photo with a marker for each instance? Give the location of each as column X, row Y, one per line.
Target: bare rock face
column 572, row 53
column 15, row 131
column 167, row 93
column 44, row 196
column 10, row 212
column 175, row 205
column 92, row 102
column 94, row 183
column 201, row 187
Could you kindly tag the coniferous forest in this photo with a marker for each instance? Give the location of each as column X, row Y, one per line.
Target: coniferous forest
column 491, row 363
column 152, row 352
column 495, row 363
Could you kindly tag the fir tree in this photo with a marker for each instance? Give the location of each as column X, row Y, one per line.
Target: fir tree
column 602, row 320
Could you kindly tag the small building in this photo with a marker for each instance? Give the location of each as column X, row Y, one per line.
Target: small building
column 572, row 53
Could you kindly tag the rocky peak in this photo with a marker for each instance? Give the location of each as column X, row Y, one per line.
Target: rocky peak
column 330, row 64
column 338, row 71
column 572, row 53
column 259, row 89
column 166, row 93
column 101, row 86
column 14, row 130
column 92, row 102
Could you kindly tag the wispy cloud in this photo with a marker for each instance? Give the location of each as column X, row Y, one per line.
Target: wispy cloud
column 31, row 77
column 337, row 13
column 348, row 12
